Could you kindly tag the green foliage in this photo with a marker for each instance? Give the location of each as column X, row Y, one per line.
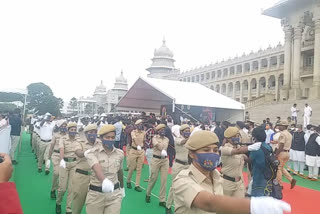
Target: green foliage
column 42, row 100
column 88, row 109
column 100, row 110
column 73, row 103
column 7, row 107
column 11, row 97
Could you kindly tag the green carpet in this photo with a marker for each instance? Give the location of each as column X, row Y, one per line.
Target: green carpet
column 34, row 188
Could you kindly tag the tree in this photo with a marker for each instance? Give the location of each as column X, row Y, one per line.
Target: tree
column 73, row 103
column 88, row 109
column 61, row 103
column 100, row 110
column 42, row 100
column 7, row 107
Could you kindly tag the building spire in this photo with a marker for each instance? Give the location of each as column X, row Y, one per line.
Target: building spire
column 164, row 40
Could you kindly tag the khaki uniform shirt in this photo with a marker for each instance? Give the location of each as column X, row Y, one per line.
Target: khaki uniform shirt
column 286, row 139
column 181, row 151
column 137, row 138
column 56, row 139
column 232, row 165
column 244, row 137
column 69, row 146
column 188, row 184
column 110, row 163
column 83, row 163
column 159, row 144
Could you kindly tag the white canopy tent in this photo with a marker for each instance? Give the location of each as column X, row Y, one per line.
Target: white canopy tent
column 148, row 94
column 22, row 92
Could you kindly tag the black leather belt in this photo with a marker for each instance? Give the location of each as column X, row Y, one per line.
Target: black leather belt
column 159, row 157
column 181, row 162
column 83, row 172
column 46, row 141
column 99, row 189
column 57, row 151
column 231, row 178
column 70, row 159
column 135, row 148
column 286, row 150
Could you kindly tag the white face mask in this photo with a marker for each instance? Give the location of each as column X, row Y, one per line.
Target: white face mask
column 277, row 130
column 297, row 129
column 311, row 132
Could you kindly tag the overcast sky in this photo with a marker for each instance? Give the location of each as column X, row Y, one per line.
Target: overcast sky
column 73, row 45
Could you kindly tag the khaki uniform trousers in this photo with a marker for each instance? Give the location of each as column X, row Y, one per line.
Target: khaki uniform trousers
column 162, row 166
column 42, row 151
column 65, row 180
column 55, row 158
column 37, row 145
column 128, row 148
column 176, row 169
column 234, row 189
column 103, row 203
column 283, row 159
column 33, row 143
column 136, row 159
column 80, row 184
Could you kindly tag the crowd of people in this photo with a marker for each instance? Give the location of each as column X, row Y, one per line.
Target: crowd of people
column 207, row 161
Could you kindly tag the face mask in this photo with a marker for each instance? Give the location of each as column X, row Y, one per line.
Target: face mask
column 311, row 132
column 92, row 137
column 292, row 129
column 277, row 130
column 63, row 130
column 186, row 134
column 140, row 127
column 161, row 133
column 296, row 129
column 208, row 161
column 108, row 143
column 72, row 134
column 235, row 140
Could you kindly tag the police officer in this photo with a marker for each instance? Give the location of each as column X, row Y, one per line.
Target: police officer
column 159, row 163
column 54, row 155
column 282, row 153
column 136, row 156
column 232, row 158
column 181, row 161
column 81, row 178
column 106, row 182
column 68, row 161
column 198, row 189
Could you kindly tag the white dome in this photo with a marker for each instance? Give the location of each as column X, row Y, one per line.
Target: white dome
column 100, row 89
column 163, row 50
column 121, row 79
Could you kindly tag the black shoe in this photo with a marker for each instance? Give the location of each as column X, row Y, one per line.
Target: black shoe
column 14, row 162
column 148, row 199
column 47, row 172
column 53, row 194
column 138, row 189
column 68, row 212
column 162, row 204
column 129, row 186
column 168, row 211
column 58, row 209
column 39, row 170
column 126, row 169
column 43, row 162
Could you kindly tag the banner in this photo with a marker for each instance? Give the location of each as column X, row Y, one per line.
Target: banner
column 5, row 140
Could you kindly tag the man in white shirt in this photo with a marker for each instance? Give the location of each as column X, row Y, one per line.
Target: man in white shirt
column 269, row 132
column 307, row 115
column 294, row 113
column 46, row 132
column 3, row 122
column 175, row 129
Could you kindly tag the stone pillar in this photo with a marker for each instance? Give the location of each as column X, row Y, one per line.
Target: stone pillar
column 234, row 92
column 241, row 92
column 258, row 88
column 277, row 88
column 287, row 62
column 295, row 93
column 315, row 90
column 266, row 90
column 249, row 90
column 278, row 61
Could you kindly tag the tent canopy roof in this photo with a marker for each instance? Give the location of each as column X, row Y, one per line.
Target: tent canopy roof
column 150, row 93
column 14, row 90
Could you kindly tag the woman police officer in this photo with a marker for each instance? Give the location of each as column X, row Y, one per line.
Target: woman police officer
column 198, row 190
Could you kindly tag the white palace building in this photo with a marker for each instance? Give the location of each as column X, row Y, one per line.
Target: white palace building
column 285, row 72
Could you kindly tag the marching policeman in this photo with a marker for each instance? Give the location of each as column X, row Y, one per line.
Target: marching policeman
column 81, row 178
column 136, row 156
column 106, row 182
column 159, row 163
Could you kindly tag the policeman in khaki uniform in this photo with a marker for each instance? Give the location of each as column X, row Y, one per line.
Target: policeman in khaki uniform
column 159, row 163
column 106, row 181
column 136, row 155
column 54, row 155
column 68, row 161
column 81, row 178
column 181, row 161
column 232, row 158
column 282, row 153
column 198, row 189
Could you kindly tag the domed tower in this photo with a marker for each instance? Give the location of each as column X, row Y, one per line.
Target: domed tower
column 121, row 83
column 100, row 94
column 117, row 92
column 162, row 66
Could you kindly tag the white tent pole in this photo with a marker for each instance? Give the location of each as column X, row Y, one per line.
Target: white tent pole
column 173, row 105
